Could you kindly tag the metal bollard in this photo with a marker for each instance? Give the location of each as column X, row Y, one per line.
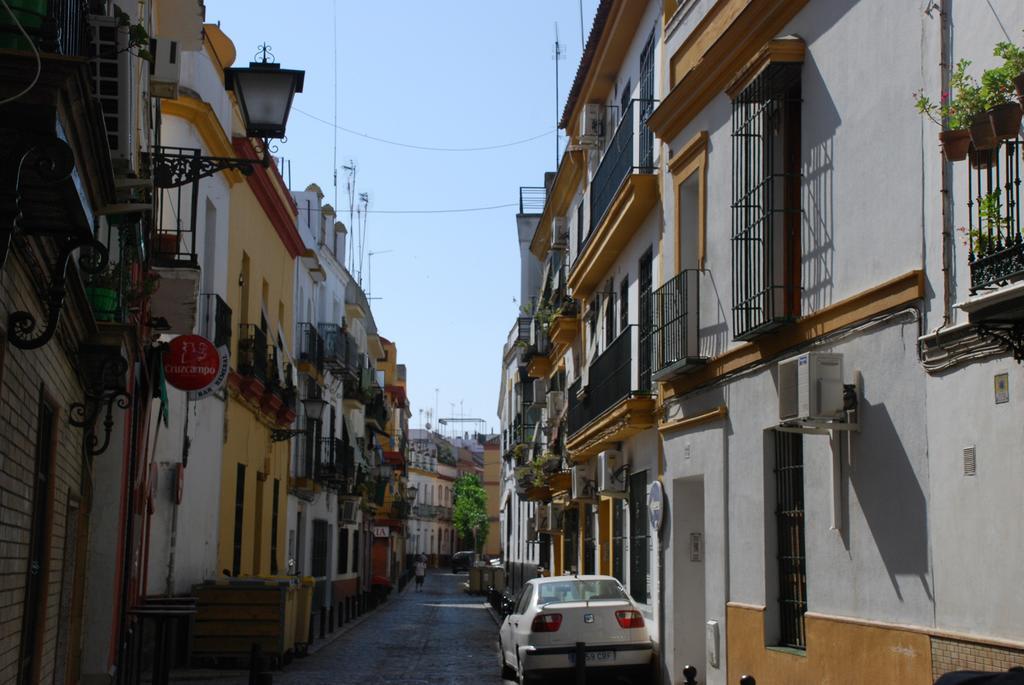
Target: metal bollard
column 689, row 675
column 581, row 663
column 748, row 680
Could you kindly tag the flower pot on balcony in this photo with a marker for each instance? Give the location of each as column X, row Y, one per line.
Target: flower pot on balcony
column 166, row 244
column 103, row 301
column 30, row 14
column 981, row 159
column 271, row 403
column 955, row 144
column 1005, row 120
column 285, row 416
column 982, row 135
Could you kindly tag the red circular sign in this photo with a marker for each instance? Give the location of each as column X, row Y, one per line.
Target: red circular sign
column 191, row 362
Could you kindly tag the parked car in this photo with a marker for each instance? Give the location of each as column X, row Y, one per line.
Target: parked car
column 462, row 561
column 549, row 616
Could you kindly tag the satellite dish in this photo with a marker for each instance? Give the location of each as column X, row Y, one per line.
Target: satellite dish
column 428, row 425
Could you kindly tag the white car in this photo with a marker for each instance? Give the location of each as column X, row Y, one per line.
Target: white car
column 541, row 629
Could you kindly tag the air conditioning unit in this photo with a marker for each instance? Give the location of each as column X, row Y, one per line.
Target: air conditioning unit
column 540, row 390
column 611, row 473
column 811, row 387
column 110, row 67
column 348, row 509
column 542, row 518
column 556, row 403
column 584, row 488
column 559, row 234
column 164, row 68
column 591, row 124
column 556, row 516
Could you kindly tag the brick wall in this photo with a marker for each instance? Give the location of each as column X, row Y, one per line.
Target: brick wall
column 23, row 376
column 959, row 655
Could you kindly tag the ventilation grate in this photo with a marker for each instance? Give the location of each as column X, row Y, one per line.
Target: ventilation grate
column 970, row 461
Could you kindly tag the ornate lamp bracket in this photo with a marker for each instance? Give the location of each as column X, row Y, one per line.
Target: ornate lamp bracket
column 1012, row 336
column 178, row 166
column 104, row 389
column 282, row 434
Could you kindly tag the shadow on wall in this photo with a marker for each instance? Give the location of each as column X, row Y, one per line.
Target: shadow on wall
column 891, row 497
column 817, row 239
column 714, row 338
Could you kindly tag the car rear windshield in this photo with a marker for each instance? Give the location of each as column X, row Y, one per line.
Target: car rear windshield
column 579, row 591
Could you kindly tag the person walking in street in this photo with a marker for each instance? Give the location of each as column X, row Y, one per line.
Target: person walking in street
column 420, row 569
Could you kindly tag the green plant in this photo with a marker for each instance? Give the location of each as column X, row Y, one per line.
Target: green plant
column 149, row 284
column 997, row 86
column 958, row 107
column 109, row 277
column 992, row 225
column 1012, row 56
column 138, row 37
column 469, row 515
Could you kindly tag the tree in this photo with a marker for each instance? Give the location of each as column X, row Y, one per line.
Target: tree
column 470, row 511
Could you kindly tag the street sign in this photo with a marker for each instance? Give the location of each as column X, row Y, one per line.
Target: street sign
column 191, row 362
column 381, row 532
column 655, row 501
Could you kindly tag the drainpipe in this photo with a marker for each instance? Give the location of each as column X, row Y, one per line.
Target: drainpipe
column 945, row 65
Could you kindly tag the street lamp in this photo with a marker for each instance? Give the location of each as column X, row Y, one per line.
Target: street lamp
column 314, row 410
column 264, row 92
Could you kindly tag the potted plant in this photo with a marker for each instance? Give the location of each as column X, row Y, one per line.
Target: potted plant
column 1003, row 113
column 102, row 291
column 147, row 286
column 1013, row 61
column 955, row 112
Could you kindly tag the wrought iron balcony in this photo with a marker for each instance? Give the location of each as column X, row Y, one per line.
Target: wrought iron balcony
column 614, row 376
column 995, row 243
column 311, row 346
column 252, row 351
column 334, row 345
column 330, row 469
column 532, row 200
column 630, row 151
column 215, row 319
column 676, row 326
column 377, row 411
column 60, row 28
column 120, row 287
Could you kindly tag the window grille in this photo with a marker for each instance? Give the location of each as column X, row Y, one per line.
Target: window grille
column 589, row 548
column 766, row 201
column 236, row 558
column 609, row 313
column 624, row 303
column 571, row 539
column 618, row 542
column 319, row 559
column 646, row 322
column 790, row 524
column 274, row 522
column 638, row 536
column 994, row 230
column 342, row 549
column 355, row 551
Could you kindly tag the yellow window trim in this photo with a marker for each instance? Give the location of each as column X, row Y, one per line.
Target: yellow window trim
column 691, row 159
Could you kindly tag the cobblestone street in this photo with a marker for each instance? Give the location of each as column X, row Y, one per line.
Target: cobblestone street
column 440, row 636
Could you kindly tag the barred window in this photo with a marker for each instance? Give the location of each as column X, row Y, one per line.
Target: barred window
column 790, row 527
column 766, row 201
column 638, row 537
column 319, row 560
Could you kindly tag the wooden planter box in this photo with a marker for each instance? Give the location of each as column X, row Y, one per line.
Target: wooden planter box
column 233, row 615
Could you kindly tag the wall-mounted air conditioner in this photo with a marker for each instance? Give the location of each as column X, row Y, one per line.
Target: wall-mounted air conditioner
column 611, row 473
column 811, row 388
column 542, row 518
column 556, row 516
column 591, row 124
column 540, row 391
column 556, row 403
column 164, row 68
column 559, row 233
column 110, row 68
column 584, row 486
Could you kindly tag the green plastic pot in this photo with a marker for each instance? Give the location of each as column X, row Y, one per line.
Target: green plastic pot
column 103, row 301
column 30, row 14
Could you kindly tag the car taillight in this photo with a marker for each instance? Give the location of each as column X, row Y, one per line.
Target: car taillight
column 630, row 618
column 546, row 623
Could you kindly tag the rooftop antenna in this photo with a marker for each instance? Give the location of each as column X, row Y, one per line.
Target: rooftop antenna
column 558, row 56
column 334, row 164
column 350, row 186
column 361, row 213
column 583, row 45
column 369, row 272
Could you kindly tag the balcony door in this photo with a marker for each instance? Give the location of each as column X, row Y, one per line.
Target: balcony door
column 646, row 321
column 647, row 103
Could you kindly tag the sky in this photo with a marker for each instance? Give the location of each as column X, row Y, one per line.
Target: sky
column 449, row 74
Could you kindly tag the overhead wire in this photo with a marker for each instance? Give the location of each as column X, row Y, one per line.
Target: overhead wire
column 428, row 148
column 440, row 211
column 35, row 51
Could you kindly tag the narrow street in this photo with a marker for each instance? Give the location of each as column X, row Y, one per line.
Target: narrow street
column 440, row 636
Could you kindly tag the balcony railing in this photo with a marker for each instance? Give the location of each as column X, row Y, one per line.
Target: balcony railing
column 311, row 346
column 995, row 244
column 676, row 325
column 611, row 379
column 61, row 28
column 532, row 200
column 252, row 351
column 377, row 410
column 335, row 347
column 630, row 151
column 114, row 291
column 215, row 319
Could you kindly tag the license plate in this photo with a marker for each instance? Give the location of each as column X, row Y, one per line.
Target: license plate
column 606, row 655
